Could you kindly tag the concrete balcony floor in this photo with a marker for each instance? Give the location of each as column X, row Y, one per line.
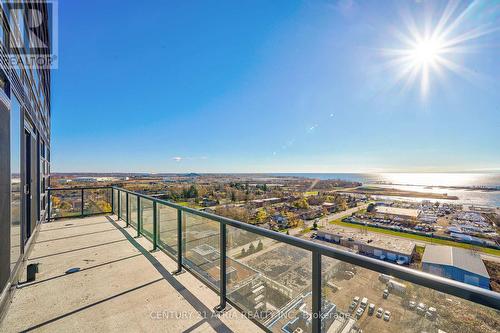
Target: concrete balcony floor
column 121, row 286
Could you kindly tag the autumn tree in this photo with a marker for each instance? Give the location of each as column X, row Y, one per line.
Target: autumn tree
column 261, row 216
column 301, row 204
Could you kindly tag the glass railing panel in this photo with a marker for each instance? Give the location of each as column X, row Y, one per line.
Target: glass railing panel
column 412, row 308
column 115, row 201
column 96, row 201
column 201, row 250
column 123, row 205
column 270, row 281
column 167, row 222
column 147, row 218
column 65, row 203
column 132, row 206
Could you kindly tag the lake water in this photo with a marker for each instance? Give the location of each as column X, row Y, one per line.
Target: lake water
column 463, row 185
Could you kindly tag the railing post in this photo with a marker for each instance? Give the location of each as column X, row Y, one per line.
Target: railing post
column 138, row 217
column 179, row 243
column 48, row 205
column 81, row 212
column 316, row 292
column 223, row 276
column 112, row 201
column 155, row 228
column 119, row 210
column 127, row 209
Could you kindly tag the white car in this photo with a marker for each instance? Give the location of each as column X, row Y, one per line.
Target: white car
column 360, row 312
column 421, row 308
column 387, row 316
column 380, row 312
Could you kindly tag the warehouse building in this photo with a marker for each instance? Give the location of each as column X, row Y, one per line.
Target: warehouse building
column 401, row 251
column 456, row 263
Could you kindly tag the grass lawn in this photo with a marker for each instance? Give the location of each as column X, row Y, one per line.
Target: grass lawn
column 189, row 204
column 415, row 237
column 309, row 193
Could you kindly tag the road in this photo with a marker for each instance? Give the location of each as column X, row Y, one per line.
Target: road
column 324, row 221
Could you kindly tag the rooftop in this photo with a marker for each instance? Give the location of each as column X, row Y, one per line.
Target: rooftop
column 454, row 256
column 377, row 240
column 121, row 286
column 398, row 211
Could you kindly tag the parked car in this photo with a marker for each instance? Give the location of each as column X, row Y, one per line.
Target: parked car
column 412, row 305
column 380, row 312
column 352, row 306
column 360, row 312
column 371, row 309
column 421, row 308
column 387, row 316
column 364, row 302
column 386, row 294
column 356, row 300
column 431, row 313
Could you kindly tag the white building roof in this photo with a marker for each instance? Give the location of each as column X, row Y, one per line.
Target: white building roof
column 398, row 211
column 457, row 257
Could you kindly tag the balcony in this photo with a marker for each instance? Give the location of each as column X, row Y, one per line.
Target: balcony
column 151, row 265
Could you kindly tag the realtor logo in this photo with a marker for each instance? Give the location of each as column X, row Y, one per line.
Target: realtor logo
column 30, row 40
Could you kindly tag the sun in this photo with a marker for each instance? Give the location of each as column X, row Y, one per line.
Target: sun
column 426, row 52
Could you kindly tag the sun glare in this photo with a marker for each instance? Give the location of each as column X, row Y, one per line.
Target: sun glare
column 426, row 52
column 425, row 56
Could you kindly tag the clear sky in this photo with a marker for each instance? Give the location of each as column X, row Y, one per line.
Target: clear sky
column 276, row 86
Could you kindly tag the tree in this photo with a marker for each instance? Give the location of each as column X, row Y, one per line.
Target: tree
column 233, row 196
column 370, row 208
column 292, row 219
column 324, row 211
column 288, row 232
column 192, row 192
column 251, row 248
column 315, row 225
column 341, row 203
column 261, row 216
column 301, row 204
column 56, row 201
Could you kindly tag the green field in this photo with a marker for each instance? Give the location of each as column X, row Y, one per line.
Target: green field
column 415, row 237
column 189, row 204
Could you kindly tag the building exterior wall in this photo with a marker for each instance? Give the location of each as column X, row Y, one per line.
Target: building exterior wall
column 457, row 274
column 24, row 103
column 366, row 248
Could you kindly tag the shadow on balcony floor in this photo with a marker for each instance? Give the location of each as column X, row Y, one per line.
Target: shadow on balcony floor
column 120, row 286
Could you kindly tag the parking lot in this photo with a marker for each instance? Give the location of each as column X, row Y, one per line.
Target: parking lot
column 453, row 314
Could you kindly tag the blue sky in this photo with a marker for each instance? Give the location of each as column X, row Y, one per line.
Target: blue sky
column 270, row 86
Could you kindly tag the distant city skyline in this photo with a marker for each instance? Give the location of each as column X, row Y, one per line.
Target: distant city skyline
column 270, row 87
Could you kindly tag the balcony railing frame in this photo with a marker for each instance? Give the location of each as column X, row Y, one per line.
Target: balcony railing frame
column 81, row 191
column 318, row 251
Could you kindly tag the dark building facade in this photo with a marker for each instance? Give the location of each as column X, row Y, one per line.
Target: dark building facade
column 24, row 135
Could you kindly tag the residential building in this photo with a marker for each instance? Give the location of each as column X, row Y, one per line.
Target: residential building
column 24, row 139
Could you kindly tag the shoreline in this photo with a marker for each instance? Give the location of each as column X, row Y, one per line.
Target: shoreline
column 398, row 193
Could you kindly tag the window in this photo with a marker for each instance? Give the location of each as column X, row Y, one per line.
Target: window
column 15, row 167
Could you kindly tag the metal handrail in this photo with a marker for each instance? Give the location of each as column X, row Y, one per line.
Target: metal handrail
column 80, row 189
column 462, row 290
column 465, row 291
